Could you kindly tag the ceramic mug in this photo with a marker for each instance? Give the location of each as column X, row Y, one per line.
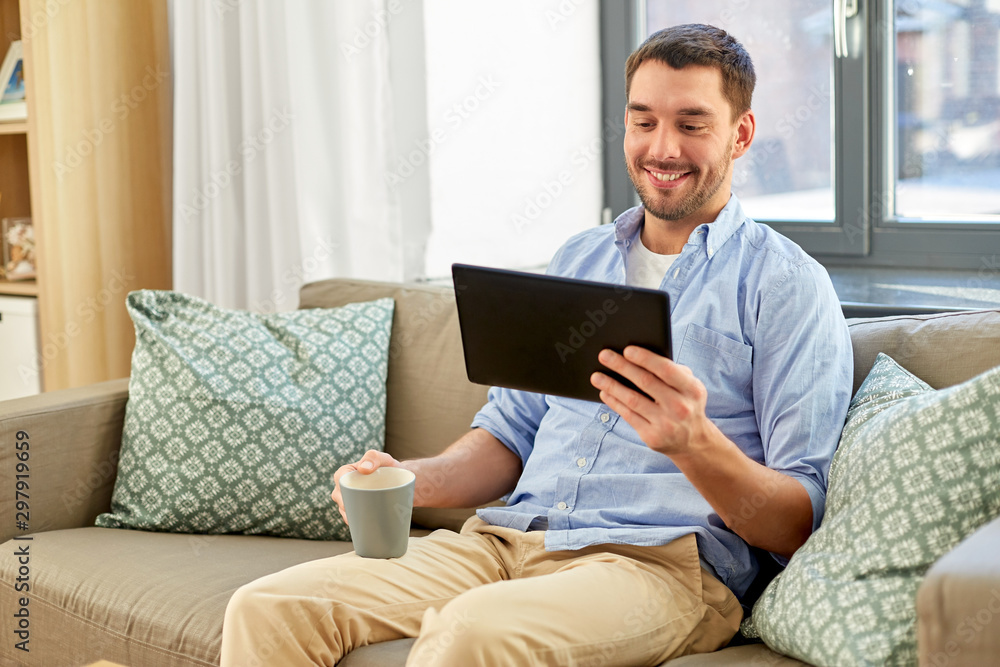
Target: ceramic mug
column 379, row 506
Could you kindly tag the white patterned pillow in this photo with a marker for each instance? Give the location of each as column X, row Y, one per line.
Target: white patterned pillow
column 917, row 471
column 236, row 422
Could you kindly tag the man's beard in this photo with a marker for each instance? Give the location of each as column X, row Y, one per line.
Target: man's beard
column 668, row 205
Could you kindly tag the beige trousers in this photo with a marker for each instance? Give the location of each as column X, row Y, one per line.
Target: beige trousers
column 487, row 596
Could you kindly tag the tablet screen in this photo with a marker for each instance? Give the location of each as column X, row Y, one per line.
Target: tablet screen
column 543, row 333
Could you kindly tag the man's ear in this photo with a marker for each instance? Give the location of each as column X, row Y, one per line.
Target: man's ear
column 746, row 127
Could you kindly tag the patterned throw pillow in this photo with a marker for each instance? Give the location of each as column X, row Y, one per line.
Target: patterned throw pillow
column 917, row 471
column 236, row 422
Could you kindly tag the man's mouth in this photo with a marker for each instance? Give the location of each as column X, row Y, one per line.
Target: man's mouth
column 666, row 179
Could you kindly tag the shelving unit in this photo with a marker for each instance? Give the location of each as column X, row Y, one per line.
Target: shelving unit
column 14, row 128
column 102, row 224
column 18, row 288
column 14, row 182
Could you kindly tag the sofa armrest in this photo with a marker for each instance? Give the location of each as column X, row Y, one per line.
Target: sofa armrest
column 958, row 604
column 71, row 458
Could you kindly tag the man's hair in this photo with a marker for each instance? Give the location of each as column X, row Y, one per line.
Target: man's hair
column 700, row 44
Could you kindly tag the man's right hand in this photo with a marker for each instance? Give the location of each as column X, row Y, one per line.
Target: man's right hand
column 474, row 470
column 369, row 463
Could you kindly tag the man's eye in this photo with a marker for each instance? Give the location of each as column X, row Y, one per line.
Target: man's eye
column 692, row 128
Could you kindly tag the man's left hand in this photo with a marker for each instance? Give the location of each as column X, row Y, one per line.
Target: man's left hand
column 672, row 419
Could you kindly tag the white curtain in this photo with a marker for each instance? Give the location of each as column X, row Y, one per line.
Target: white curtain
column 378, row 139
column 282, row 139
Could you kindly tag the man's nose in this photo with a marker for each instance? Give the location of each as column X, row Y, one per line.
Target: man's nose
column 666, row 144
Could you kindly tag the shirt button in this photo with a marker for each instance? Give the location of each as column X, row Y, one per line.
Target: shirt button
column 562, row 506
column 580, row 462
column 605, row 417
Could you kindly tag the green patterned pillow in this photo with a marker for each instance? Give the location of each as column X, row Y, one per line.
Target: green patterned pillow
column 236, row 422
column 916, row 472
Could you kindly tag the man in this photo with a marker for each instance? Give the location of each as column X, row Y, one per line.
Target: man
column 625, row 535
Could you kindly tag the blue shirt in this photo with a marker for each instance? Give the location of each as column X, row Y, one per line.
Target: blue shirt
column 758, row 322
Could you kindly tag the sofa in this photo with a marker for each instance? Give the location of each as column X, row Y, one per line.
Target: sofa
column 150, row 599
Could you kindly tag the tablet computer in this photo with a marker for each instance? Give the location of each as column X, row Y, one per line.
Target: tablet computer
column 542, row 333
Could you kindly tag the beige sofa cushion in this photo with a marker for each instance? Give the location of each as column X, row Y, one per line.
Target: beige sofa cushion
column 138, row 598
column 941, row 349
column 393, row 653
column 430, row 402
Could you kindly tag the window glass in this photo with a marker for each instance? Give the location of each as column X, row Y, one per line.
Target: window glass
column 788, row 172
column 947, row 109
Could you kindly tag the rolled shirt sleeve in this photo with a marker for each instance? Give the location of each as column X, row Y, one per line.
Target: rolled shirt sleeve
column 802, row 386
column 513, row 416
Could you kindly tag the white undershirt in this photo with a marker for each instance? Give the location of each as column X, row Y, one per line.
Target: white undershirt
column 645, row 267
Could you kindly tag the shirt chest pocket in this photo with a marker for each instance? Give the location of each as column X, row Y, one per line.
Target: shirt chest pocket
column 724, row 365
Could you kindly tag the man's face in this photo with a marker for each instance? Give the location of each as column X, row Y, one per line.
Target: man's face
column 681, row 140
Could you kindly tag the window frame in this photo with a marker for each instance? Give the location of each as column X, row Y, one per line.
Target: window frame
column 866, row 231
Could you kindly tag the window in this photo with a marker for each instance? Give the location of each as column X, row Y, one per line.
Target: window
column 947, row 127
column 878, row 123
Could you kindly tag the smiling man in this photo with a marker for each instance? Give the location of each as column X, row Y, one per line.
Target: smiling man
column 625, row 537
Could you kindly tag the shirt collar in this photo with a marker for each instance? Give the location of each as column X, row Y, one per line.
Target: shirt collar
column 711, row 235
